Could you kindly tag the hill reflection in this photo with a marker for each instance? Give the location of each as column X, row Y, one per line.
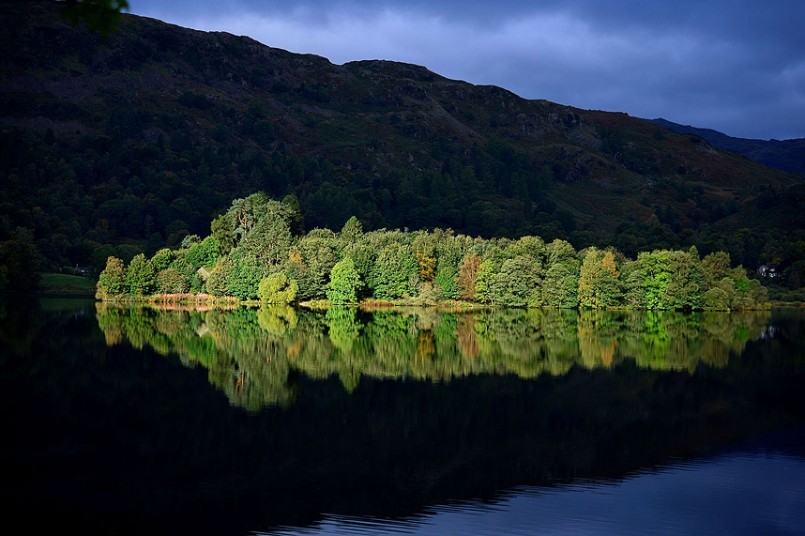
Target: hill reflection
column 254, row 356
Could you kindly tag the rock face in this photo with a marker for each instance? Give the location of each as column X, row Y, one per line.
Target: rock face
column 179, row 122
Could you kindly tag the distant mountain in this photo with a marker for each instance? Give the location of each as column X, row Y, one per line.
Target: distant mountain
column 112, row 144
column 788, row 155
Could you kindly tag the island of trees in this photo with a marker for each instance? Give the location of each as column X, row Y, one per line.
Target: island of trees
column 257, row 251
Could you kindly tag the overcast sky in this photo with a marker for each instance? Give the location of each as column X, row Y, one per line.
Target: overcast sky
column 737, row 66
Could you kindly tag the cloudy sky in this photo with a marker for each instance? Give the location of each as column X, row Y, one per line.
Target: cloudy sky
column 737, row 66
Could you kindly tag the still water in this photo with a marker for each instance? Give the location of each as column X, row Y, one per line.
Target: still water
column 282, row 421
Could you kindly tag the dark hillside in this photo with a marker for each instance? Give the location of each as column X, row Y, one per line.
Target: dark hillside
column 108, row 145
column 788, row 155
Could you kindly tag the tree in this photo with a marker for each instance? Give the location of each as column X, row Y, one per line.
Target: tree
column 395, row 274
column 517, row 283
column 171, row 281
column 277, row 289
column 352, row 231
column 244, row 275
column 20, row 262
column 112, row 280
column 162, row 259
column 268, row 242
column 560, row 286
column 313, row 257
column 716, row 299
column 203, row 253
column 99, row 15
column 687, row 281
column 216, row 283
column 224, row 233
column 716, row 267
column 345, row 282
column 599, row 286
column 140, row 276
column 468, row 276
column 483, row 281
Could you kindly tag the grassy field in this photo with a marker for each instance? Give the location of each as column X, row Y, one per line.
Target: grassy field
column 66, row 284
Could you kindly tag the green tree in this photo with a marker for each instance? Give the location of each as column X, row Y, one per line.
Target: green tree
column 317, row 254
column 223, row 231
column 112, row 280
column 216, row 283
column 277, row 289
column 244, row 276
column 267, row 242
column 716, row 299
column 560, row 286
column 203, row 253
column 687, row 284
column 716, row 267
column 483, row 281
column 345, row 282
column 171, row 281
column 162, row 259
column 517, row 283
column 395, row 274
column 352, row 231
column 140, row 276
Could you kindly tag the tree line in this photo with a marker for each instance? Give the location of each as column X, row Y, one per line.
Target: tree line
column 256, row 250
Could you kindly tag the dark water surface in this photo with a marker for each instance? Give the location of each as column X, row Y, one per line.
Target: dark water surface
column 126, row 421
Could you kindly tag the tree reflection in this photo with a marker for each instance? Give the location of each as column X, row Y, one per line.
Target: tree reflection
column 254, row 355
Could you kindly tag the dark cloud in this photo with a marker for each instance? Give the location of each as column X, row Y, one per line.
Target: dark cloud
column 733, row 65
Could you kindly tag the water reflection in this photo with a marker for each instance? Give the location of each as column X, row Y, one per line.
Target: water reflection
column 254, row 355
column 119, row 439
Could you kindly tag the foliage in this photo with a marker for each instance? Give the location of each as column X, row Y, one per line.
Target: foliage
column 140, row 277
column 277, row 289
column 20, row 262
column 426, row 267
column 243, row 276
column 171, row 281
column 216, row 283
column 468, row 276
column 599, row 286
column 345, row 282
column 203, row 253
column 518, row 283
column 395, row 273
column 112, row 280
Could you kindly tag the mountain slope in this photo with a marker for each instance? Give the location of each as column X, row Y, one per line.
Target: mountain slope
column 143, row 137
column 788, row 155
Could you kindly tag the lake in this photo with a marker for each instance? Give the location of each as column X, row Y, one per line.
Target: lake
column 285, row 421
